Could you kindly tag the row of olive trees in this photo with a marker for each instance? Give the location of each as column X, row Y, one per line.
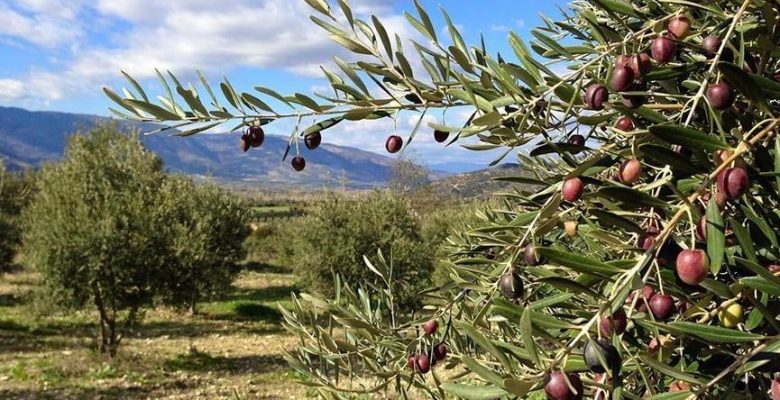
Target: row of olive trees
column 108, row 228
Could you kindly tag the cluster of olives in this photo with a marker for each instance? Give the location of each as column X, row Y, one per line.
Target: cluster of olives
column 423, row 362
column 629, row 69
column 691, row 265
column 394, row 143
column 254, row 137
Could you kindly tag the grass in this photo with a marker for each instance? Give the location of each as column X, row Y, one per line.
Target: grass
column 233, row 348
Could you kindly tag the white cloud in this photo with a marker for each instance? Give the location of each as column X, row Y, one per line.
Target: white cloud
column 505, row 28
column 179, row 35
column 11, row 89
column 25, row 23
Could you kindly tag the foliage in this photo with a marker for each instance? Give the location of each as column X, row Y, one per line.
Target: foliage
column 337, row 233
column 447, row 222
column 90, row 230
column 14, row 192
column 107, row 228
column 207, row 228
column 603, row 227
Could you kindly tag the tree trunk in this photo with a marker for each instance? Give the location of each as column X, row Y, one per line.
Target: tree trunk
column 105, row 323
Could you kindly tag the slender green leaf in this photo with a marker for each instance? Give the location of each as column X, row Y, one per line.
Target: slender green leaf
column 716, row 237
column 687, row 137
column 469, row 330
column 527, row 333
column 155, row 110
column 715, row 334
column 473, row 392
column 483, row 372
column 670, row 371
column 740, row 80
column 577, row 262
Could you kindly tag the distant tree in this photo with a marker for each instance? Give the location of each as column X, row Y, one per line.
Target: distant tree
column 333, row 238
column 209, row 227
column 14, row 190
column 93, row 230
column 107, row 228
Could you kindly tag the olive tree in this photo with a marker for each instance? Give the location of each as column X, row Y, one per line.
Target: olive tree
column 642, row 259
column 91, row 232
column 208, row 229
column 107, row 228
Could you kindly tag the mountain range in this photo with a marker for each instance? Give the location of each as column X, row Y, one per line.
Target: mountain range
column 30, row 138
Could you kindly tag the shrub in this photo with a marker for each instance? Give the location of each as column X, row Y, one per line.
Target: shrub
column 440, row 227
column 206, row 229
column 14, row 191
column 333, row 238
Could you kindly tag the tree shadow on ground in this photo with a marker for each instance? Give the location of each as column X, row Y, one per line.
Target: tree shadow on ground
column 266, row 294
column 265, row 268
column 10, row 300
column 133, row 392
column 198, row 361
column 153, row 329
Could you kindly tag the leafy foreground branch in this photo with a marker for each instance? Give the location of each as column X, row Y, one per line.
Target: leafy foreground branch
column 641, row 258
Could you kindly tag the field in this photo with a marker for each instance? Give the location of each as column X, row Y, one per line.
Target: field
column 232, row 349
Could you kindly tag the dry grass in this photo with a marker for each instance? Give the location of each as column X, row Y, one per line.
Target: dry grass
column 232, row 349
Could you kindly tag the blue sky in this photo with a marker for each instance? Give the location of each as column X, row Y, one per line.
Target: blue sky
column 56, row 54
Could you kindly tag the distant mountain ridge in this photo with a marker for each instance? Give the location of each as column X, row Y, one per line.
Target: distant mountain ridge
column 30, row 138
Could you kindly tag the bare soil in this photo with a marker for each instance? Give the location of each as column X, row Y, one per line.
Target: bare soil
column 232, row 349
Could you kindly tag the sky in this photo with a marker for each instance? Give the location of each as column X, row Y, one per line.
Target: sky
column 55, row 55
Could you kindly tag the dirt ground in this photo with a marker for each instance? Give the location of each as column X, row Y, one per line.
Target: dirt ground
column 233, row 349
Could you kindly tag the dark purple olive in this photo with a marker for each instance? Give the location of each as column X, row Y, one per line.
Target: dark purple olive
column 663, row 49
column 618, row 321
column 625, row 124
column 622, row 77
column 257, row 135
column 430, row 327
column 423, row 364
column 312, row 140
column 733, row 182
column 511, row 286
column 440, row 136
column 679, row 27
column 572, row 189
column 661, row 306
column 245, row 143
column 711, row 44
column 394, row 144
column 298, row 163
column 555, row 386
column 720, row 96
column 439, row 352
column 692, row 266
column 577, row 140
column 596, row 96
column 640, row 65
column 530, row 256
column 633, row 101
column 601, row 350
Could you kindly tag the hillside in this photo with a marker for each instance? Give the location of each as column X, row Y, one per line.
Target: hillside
column 28, row 139
column 478, row 184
